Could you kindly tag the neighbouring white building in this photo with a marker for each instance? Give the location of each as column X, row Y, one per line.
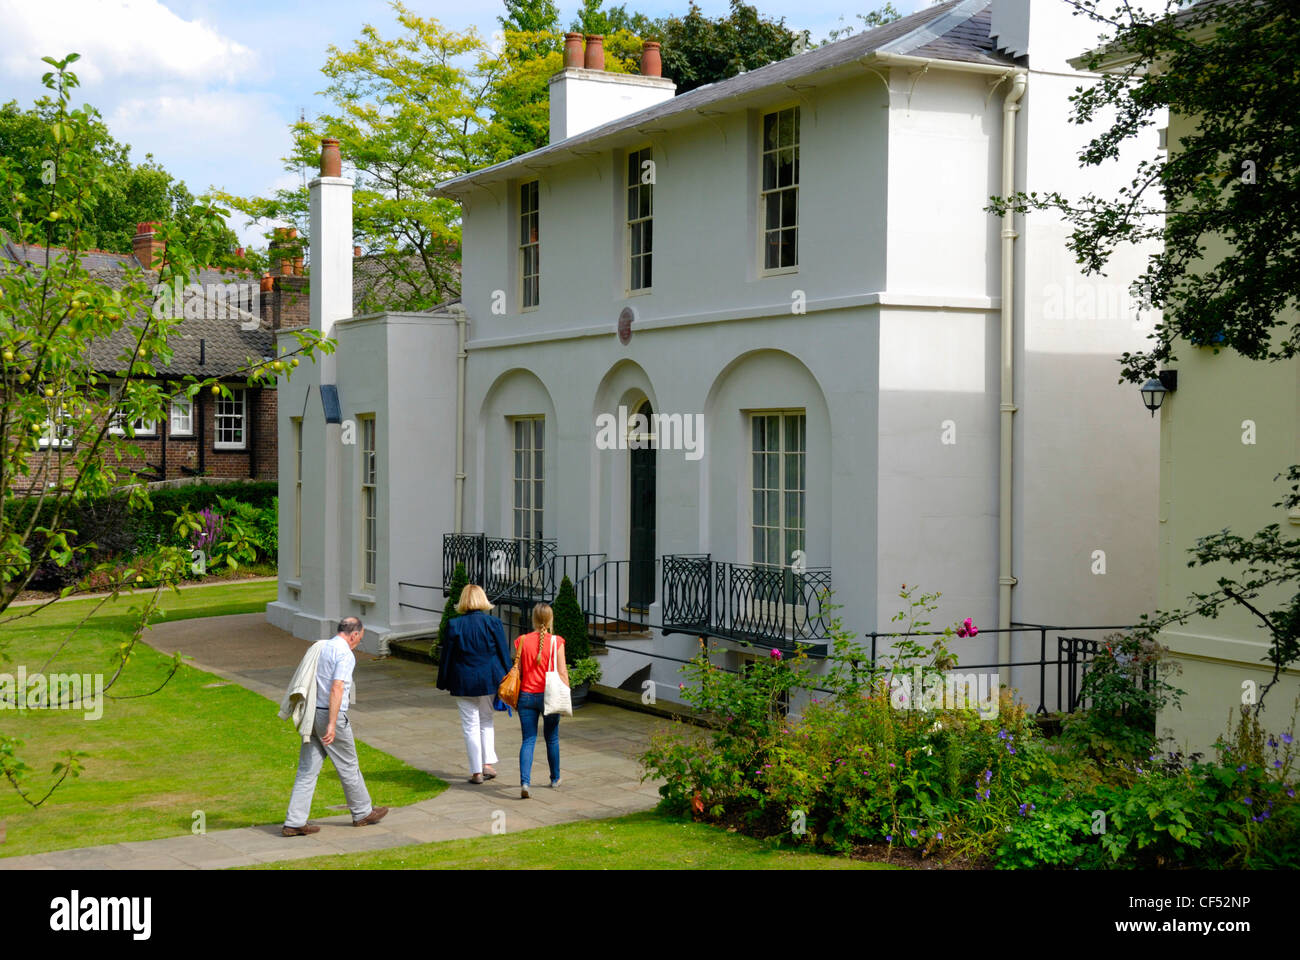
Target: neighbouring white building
column 856, row 376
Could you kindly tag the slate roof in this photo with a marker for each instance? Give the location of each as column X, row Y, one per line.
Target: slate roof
column 956, row 30
column 226, row 348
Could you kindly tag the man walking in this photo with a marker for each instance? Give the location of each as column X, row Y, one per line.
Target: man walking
column 330, row 731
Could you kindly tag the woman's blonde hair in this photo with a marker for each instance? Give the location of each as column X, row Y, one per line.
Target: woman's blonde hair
column 472, row 598
column 543, row 623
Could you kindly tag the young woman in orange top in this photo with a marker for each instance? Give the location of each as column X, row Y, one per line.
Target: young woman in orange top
column 536, row 651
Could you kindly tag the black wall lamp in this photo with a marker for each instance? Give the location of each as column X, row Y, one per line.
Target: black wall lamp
column 1154, row 390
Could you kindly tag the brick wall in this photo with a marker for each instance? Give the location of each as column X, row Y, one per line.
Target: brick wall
column 258, row 459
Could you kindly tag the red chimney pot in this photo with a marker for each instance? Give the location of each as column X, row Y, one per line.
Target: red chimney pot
column 595, row 59
column 331, row 162
column 572, row 50
column 651, row 62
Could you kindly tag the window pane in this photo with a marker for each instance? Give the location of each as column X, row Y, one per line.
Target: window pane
column 636, row 238
column 646, row 279
column 789, row 208
column 773, row 203
column 647, row 237
column 785, row 168
column 769, row 131
column 760, row 515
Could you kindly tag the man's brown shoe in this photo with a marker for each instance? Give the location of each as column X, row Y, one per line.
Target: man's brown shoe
column 303, row 831
column 375, row 815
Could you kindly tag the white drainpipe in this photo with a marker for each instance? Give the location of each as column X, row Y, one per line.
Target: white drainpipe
column 461, row 320
column 1010, row 107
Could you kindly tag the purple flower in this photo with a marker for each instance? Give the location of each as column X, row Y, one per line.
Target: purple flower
column 988, row 775
column 891, row 765
column 1247, row 801
column 1286, row 738
column 1242, row 768
column 1277, row 764
column 1023, row 808
column 1011, row 750
column 1291, row 793
column 1002, row 734
column 939, row 836
column 889, row 838
column 912, row 832
column 1272, row 743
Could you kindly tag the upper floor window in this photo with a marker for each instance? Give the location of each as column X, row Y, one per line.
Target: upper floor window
column 779, row 192
column 640, row 222
column 182, row 418
column 229, row 432
column 529, row 247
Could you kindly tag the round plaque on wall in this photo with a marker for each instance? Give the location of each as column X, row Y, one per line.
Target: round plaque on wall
column 625, row 319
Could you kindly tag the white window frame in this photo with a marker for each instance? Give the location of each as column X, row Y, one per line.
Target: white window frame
column 530, row 239
column 527, row 492
column 368, row 503
column 764, row 191
column 62, row 437
column 217, row 416
column 176, row 405
column 297, row 497
column 793, row 613
column 638, row 189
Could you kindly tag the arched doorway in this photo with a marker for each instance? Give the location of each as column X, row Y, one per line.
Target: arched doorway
column 642, row 445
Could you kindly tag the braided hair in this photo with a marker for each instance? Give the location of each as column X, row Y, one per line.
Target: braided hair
column 543, row 620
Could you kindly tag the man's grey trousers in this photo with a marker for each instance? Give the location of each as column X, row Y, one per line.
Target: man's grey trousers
column 343, row 753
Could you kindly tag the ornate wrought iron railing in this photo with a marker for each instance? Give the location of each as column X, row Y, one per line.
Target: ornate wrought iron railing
column 774, row 606
column 512, row 571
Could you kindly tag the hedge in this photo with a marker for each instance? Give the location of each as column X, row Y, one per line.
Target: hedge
column 115, row 529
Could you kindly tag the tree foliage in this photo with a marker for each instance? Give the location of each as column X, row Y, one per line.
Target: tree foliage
column 57, row 404
column 129, row 193
column 1233, row 180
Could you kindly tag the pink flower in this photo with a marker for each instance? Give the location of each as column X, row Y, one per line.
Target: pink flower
column 967, row 629
column 775, row 654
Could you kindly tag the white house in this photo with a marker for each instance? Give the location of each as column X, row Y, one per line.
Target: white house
column 856, row 377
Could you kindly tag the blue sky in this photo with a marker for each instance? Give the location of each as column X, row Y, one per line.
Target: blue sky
column 209, row 88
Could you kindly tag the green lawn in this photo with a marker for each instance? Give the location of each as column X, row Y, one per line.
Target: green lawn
column 156, row 760
column 641, row 841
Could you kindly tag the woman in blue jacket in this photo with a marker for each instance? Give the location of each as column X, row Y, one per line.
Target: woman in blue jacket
column 473, row 659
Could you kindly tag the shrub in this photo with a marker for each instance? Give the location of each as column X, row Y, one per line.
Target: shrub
column 459, row 579
column 1124, row 689
column 571, row 623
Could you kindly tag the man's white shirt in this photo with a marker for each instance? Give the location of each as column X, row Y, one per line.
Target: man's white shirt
column 336, row 663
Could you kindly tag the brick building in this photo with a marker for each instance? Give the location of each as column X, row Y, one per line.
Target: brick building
column 233, row 327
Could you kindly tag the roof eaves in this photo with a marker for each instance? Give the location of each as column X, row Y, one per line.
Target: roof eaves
column 934, row 29
column 781, row 73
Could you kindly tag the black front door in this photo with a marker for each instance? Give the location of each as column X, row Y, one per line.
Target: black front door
column 641, row 576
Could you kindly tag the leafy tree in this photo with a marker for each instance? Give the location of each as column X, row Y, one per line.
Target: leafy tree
column 127, row 194
column 1233, row 181
column 571, row 622
column 698, row 50
column 876, row 18
column 52, row 391
column 592, row 18
column 530, row 16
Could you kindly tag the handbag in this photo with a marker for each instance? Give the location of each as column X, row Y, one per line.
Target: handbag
column 557, row 698
column 508, row 691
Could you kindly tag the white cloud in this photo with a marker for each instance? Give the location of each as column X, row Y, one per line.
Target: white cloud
column 141, row 39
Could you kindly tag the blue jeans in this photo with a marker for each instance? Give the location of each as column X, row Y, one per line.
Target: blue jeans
column 530, row 709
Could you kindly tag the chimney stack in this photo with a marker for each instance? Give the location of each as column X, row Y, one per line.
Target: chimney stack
column 584, row 95
column 595, row 59
column 145, row 245
column 330, row 202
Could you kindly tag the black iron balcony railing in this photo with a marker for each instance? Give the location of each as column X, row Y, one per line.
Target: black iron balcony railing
column 752, row 603
column 512, row 571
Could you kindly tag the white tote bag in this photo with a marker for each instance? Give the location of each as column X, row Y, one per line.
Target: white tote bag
column 556, row 699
